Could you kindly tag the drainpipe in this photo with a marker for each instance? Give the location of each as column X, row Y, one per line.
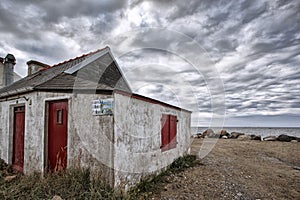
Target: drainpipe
column 9, row 63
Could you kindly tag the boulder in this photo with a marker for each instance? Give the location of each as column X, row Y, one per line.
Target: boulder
column 255, row 137
column 270, row 138
column 286, row 138
column 294, row 141
column 208, row 133
column 224, row 137
column 223, row 133
column 244, row 137
column 235, row 135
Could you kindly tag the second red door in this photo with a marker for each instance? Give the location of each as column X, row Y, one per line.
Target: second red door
column 57, row 135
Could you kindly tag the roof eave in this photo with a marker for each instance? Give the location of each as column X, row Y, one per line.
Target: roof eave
column 15, row 92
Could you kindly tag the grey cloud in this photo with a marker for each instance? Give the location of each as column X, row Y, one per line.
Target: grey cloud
column 284, row 120
column 70, row 9
column 105, row 24
column 157, row 89
column 255, row 45
column 13, row 23
column 52, row 50
column 252, row 11
column 295, row 76
column 295, row 105
column 226, row 45
column 16, row 18
column 6, row 20
column 177, row 8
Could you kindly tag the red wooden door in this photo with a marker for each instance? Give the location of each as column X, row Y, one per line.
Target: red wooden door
column 57, row 135
column 18, row 138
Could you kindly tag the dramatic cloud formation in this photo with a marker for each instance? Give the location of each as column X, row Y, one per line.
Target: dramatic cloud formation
column 254, row 46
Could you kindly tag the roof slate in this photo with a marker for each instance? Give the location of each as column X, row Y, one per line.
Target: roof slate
column 55, row 78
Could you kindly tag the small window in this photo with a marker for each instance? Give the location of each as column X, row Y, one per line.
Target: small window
column 59, row 116
column 20, row 108
column 168, row 132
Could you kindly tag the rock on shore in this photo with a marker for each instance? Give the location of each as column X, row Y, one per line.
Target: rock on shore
column 270, row 138
column 223, row 134
column 286, row 138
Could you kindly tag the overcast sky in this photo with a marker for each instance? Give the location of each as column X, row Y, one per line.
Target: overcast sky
column 252, row 47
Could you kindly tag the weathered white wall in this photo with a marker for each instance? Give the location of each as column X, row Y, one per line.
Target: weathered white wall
column 138, row 139
column 91, row 142
column 124, row 147
column 88, row 135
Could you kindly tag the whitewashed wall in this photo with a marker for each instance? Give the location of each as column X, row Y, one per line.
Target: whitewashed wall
column 89, row 137
column 138, row 139
column 124, row 147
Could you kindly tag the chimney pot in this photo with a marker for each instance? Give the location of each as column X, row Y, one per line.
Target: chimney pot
column 10, row 59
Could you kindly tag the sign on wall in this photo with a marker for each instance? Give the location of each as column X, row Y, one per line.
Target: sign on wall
column 103, row 106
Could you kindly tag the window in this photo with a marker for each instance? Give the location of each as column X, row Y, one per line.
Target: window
column 168, row 132
column 59, row 116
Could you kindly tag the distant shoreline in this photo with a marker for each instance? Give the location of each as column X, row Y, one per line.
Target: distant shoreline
column 262, row 131
column 244, row 127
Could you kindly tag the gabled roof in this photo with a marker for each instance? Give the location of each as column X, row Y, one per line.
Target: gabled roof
column 64, row 75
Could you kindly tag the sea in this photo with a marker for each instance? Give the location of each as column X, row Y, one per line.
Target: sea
column 262, row 131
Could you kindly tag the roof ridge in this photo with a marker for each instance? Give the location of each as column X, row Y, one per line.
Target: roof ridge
column 78, row 57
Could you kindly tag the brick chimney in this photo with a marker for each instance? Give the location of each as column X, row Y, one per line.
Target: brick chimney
column 8, row 72
column 35, row 66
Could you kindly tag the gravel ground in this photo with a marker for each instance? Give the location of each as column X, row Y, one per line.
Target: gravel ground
column 237, row 169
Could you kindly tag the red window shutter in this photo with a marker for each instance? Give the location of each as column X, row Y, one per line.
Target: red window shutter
column 173, row 131
column 165, row 132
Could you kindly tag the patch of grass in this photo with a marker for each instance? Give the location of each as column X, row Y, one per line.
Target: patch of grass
column 81, row 184
column 182, row 163
column 153, row 184
column 5, row 169
column 71, row 184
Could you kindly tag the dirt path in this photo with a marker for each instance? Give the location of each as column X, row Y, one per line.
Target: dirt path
column 240, row 170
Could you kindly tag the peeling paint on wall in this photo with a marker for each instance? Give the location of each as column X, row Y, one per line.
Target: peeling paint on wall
column 123, row 147
column 138, row 139
column 84, row 133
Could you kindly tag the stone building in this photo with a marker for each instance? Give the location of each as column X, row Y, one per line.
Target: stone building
column 82, row 113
